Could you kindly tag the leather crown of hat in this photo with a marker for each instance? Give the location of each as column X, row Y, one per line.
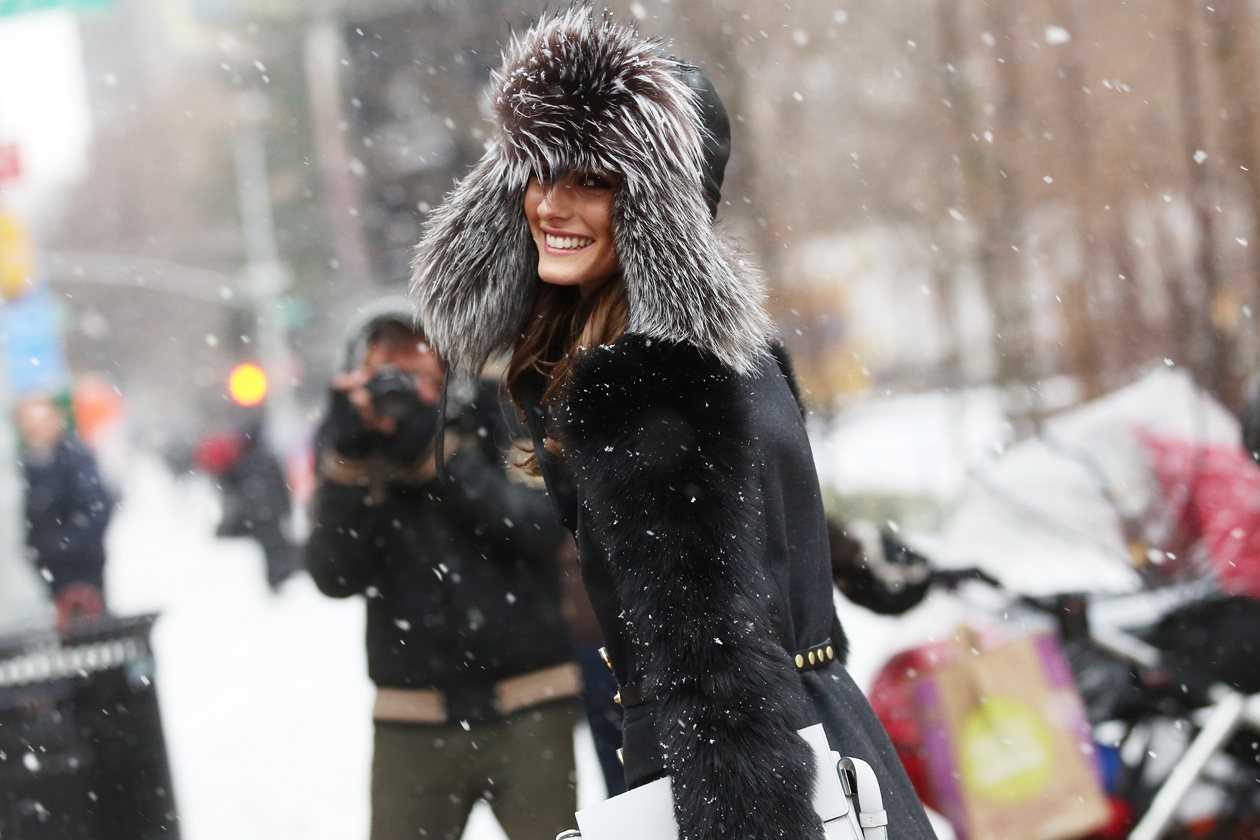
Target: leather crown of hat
column 579, row 91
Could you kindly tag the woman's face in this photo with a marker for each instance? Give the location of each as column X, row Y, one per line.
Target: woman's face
column 571, row 221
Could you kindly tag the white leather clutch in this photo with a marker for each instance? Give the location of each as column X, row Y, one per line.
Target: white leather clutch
column 846, row 797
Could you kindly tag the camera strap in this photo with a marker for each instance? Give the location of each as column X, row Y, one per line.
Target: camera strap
column 439, row 442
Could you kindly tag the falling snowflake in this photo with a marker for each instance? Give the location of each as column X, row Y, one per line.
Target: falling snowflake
column 1057, row 35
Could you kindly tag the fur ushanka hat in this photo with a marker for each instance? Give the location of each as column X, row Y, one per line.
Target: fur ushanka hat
column 579, row 91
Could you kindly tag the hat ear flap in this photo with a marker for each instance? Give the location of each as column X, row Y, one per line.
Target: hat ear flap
column 475, row 269
column 682, row 281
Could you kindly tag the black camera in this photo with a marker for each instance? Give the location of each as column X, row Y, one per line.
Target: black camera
column 393, row 393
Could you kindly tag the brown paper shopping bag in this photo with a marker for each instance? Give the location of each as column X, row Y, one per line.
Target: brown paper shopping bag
column 1008, row 748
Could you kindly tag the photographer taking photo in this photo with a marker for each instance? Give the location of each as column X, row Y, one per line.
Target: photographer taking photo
column 467, row 645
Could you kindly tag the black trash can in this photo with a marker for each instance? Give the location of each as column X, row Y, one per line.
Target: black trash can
column 82, row 753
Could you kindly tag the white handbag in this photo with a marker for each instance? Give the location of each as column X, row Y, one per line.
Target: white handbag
column 846, row 797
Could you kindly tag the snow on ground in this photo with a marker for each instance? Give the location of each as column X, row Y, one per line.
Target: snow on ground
column 265, row 700
column 911, row 443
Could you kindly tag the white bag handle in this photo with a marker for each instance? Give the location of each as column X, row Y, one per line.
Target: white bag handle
column 862, row 787
column 847, row 800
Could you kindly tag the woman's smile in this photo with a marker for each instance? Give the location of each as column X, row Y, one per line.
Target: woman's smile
column 562, row 244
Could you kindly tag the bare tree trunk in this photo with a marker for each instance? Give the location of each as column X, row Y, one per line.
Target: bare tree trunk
column 945, row 297
column 1084, row 358
column 341, row 199
column 1133, row 330
column 1004, row 238
column 963, row 193
column 1182, row 313
column 974, row 189
column 1213, row 346
column 1234, row 27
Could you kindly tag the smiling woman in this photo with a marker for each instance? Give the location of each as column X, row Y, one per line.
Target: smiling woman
column 663, row 421
column 571, row 222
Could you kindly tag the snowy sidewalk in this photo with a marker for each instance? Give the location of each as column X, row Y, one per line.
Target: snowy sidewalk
column 265, row 701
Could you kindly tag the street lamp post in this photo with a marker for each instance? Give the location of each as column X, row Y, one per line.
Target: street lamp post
column 267, row 278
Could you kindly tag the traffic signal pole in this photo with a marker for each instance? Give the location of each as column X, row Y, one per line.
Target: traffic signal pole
column 267, row 278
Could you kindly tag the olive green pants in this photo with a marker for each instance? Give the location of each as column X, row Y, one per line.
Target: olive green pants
column 426, row 779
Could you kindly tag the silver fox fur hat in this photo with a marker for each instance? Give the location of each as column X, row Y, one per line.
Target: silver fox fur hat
column 579, row 91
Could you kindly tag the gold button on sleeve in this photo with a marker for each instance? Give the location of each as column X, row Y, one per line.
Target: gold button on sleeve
column 812, row 658
column 831, row 653
column 800, row 661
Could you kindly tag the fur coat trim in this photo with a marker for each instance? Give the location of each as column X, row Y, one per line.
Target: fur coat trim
column 658, row 438
column 579, row 91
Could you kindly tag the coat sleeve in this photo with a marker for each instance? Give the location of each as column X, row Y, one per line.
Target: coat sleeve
column 483, row 494
column 858, row 581
column 488, row 501
column 658, row 439
column 342, row 554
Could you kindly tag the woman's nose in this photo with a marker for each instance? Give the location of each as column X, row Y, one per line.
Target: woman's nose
column 557, row 201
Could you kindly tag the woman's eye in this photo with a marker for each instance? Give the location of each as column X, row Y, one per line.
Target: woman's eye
column 595, row 182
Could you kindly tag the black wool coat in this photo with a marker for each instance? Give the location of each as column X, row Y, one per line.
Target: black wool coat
column 255, row 493
column 67, row 511
column 462, row 577
column 692, row 494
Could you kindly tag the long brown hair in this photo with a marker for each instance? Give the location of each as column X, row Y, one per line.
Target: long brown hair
column 562, row 324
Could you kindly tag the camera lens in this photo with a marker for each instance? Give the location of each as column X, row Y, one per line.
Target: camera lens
column 393, row 392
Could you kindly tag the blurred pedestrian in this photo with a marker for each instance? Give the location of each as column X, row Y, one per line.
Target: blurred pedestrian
column 67, row 511
column 254, row 494
column 476, row 688
column 583, row 243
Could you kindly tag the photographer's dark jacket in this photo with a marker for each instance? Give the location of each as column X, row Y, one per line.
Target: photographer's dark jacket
column 686, row 473
column 461, row 579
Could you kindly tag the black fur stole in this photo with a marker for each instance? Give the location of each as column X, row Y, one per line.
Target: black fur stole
column 657, row 436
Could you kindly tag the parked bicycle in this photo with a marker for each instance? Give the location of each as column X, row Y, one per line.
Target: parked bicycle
column 1170, row 680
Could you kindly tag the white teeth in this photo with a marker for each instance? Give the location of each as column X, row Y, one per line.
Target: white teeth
column 567, row 243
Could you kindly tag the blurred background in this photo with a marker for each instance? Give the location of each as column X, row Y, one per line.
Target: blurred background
column 1014, row 248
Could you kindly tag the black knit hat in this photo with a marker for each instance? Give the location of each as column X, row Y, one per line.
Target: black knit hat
column 717, row 132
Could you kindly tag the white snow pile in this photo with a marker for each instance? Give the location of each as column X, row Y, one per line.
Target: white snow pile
column 913, row 444
column 1035, row 516
column 1044, row 516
